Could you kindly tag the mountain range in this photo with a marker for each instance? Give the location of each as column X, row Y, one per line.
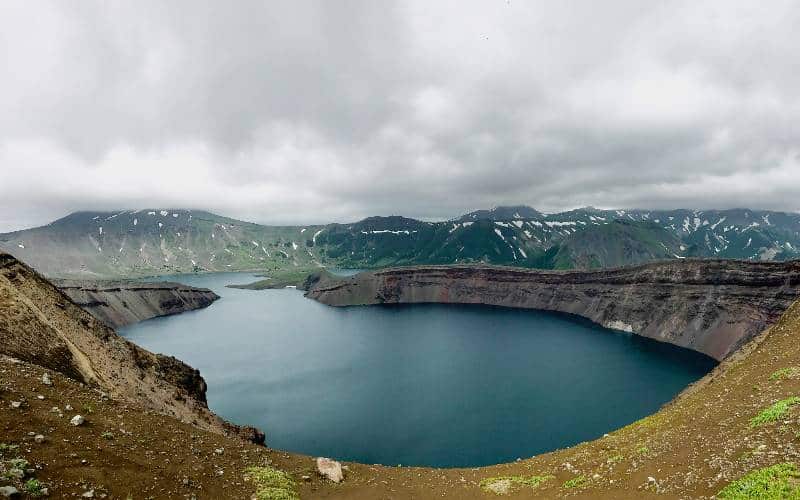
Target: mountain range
column 170, row 241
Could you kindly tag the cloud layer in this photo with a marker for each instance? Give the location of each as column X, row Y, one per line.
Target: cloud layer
column 299, row 111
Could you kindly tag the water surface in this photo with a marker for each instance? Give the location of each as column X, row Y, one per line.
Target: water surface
column 437, row 385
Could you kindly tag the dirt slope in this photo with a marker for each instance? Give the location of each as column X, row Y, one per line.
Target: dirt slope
column 39, row 324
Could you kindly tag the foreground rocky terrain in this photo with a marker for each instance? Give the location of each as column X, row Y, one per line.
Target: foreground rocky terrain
column 120, row 303
column 710, row 306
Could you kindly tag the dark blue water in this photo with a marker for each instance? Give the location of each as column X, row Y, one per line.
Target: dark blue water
column 435, row 385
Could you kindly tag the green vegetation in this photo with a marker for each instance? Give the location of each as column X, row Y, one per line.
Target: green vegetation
column 107, row 435
column 779, row 481
column 18, row 463
column 615, row 458
column 774, row 412
column 576, row 482
column 8, row 447
column 33, row 487
column 643, row 450
column 272, row 484
column 788, row 372
column 281, row 278
column 501, row 485
column 88, row 408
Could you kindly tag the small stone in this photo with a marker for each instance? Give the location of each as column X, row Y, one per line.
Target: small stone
column 219, row 451
column 68, row 408
column 39, row 396
column 46, row 379
column 8, row 491
column 305, row 478
column 88, row 494
column 16, row 404
column 77, row 420
column 330, row 469
column 39, row 438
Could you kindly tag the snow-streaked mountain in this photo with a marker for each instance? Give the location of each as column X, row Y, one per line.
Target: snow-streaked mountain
column 166, row 241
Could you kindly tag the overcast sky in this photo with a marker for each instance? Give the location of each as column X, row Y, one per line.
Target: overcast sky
column 301, row 112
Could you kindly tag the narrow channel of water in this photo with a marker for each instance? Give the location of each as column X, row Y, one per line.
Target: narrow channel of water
column 435, row 385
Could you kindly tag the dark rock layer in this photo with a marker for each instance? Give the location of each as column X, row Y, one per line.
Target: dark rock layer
column 120, row 303
column 710, row 306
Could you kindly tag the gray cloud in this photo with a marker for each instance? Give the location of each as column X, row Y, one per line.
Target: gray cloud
column 301, row 111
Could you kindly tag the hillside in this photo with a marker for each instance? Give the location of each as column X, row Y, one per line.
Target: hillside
column 158, row 242
column 41, row 325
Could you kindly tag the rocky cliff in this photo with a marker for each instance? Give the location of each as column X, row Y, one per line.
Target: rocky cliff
column 710, row 306
column 120, row 303
column 41, row 325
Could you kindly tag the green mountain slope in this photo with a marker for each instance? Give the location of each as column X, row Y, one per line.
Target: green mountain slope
column 159, row 241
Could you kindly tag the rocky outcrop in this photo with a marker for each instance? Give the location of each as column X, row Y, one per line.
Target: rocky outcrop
column 41, row 325
column 710, row 306
column 120, row 303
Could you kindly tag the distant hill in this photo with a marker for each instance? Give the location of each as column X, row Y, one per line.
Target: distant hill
column 168, row 241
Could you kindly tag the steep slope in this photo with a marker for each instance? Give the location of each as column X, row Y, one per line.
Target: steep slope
column 41, row 325
column 710, row 306
column 120, row 303
column 149, row 242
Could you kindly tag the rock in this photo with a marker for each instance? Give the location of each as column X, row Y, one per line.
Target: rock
column 77, row 420
column 46, row 379
column 39, row 438
column 305, row 478
column 500, row 487
column 88, row 494
column 219, row 451
column 330, row 469
column 68, row 408
column 16, row 404
column 8, row 491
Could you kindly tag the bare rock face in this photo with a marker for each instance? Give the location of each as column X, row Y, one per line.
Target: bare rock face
column 120, row 303
column 710, row 306
column 330, row 469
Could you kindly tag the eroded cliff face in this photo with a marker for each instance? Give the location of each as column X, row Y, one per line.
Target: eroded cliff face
column 41, row 325
column 121, row 303
column 710, row 306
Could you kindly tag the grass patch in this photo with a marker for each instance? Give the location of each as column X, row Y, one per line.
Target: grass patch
column 503, row 484
column 107, row 435
column 33, row 487
column 272, row 484
column 774, row 412
column 576, row 482
column 8, row 447
column 615, row 458
column 780, row 481
column 642, row 450
column 788, row 372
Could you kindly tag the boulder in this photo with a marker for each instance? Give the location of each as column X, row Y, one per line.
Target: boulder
column 8, row 492
column 330, row 469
